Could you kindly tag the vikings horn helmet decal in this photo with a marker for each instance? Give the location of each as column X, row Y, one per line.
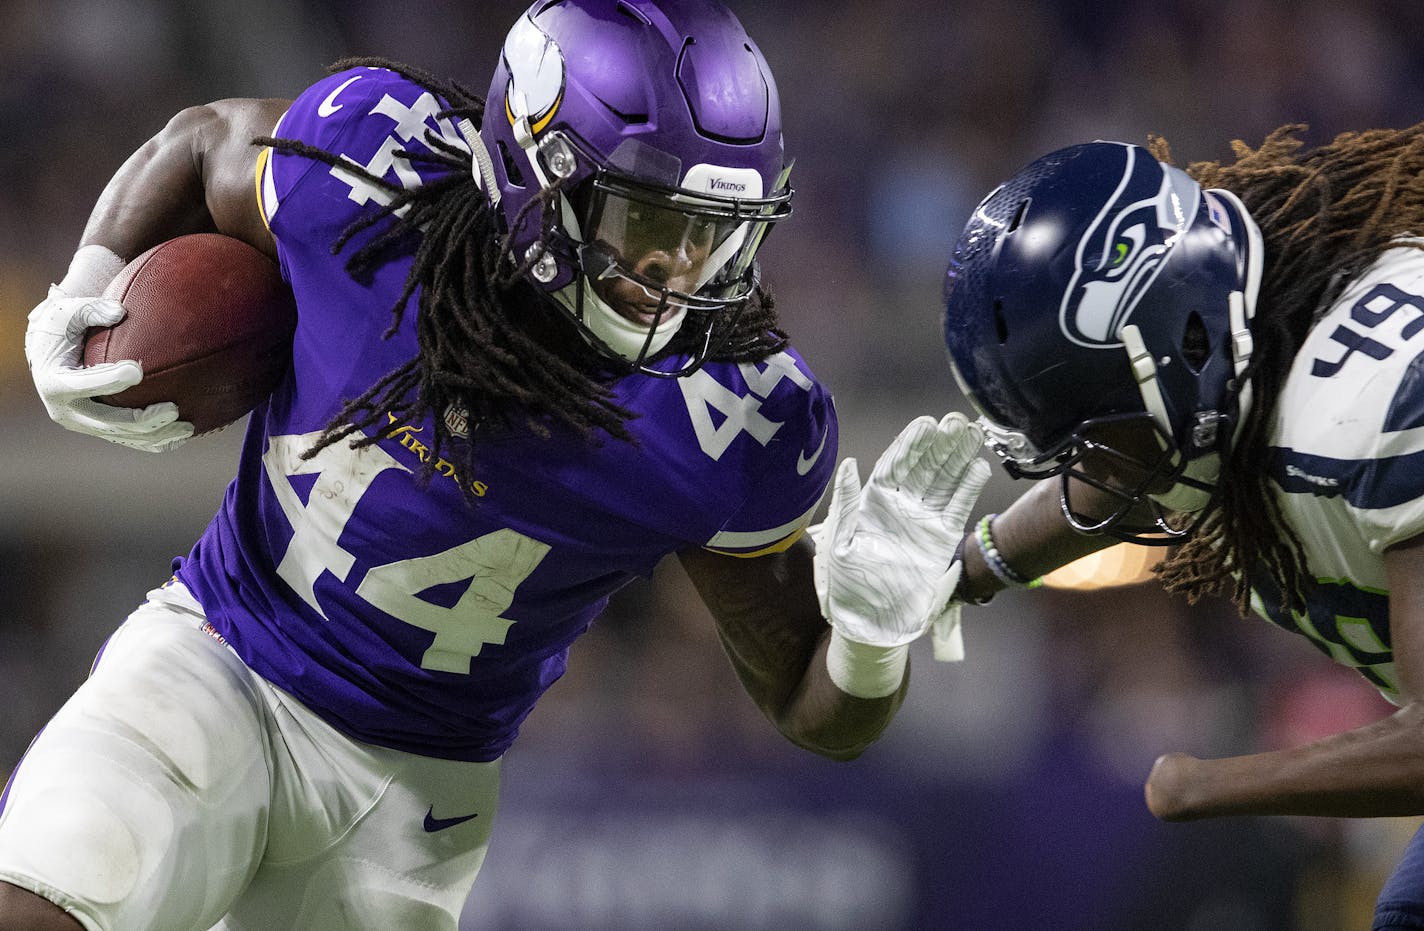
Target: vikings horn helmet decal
column 536, row 76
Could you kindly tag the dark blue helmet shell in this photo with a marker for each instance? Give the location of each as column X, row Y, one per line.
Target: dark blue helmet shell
column 1060, row 259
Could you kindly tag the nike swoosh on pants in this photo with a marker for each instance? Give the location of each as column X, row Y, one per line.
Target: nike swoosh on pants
column 433, row 824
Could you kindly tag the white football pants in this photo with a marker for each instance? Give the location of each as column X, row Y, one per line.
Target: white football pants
column 178, row 791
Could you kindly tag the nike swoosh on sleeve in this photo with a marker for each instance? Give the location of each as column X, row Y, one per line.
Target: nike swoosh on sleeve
column 804, row 462
column 329, row 106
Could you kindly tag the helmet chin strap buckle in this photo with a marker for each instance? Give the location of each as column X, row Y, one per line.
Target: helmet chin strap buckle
column 1206, row 428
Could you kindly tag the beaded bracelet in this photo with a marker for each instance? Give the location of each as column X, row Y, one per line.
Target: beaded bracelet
column 984, row 536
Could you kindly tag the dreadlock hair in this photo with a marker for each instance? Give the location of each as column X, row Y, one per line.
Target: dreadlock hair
column 1326, row 214
column 490, row 345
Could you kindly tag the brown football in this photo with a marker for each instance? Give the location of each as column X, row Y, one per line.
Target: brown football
column 210, row 319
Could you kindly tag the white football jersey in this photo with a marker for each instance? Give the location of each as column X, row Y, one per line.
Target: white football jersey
column 1349, row 458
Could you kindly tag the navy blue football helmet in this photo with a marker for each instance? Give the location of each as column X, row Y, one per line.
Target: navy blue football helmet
column 1097, row 300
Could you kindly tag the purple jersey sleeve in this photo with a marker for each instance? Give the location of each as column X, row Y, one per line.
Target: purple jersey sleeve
column 779, row 405
column 379, row 125
column 430, row 616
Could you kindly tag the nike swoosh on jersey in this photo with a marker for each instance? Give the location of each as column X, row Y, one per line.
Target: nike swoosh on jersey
column 804, row 462
column 433, row 824
column 329, row 106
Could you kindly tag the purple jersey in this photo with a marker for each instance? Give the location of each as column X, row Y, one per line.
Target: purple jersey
column 399, row 612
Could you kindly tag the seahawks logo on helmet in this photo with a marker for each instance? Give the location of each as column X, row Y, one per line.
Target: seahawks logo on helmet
column 1124, row 249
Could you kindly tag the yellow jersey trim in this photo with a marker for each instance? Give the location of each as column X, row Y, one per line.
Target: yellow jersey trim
column 262, row 158
column 780, row 546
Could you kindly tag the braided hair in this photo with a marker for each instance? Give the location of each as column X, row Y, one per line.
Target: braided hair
column 490, row 344
column 1326, row 214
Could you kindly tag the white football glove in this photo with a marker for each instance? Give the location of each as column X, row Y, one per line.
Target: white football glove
column 54, row 346
column 884, row 564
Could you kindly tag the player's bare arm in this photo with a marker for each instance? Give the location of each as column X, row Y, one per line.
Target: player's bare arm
column 195, row 176
column 1373, row 771
column 1169, row 337
column 1135, row 448
column 820, row 638
column 1033, row 537
column 771, row 626
column 198, row 174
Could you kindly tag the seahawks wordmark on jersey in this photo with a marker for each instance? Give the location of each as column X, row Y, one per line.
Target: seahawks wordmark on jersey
column 400, row 613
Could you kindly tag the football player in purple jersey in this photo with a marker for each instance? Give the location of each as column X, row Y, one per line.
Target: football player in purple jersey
column 532, row 359
column 1224, row 360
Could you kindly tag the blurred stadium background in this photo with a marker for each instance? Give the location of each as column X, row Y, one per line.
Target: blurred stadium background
column 646, row 792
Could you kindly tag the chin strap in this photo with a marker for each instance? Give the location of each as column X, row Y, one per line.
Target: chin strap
column 1241, row 304
column 482, row 165
column 1242, row 345
column 1144, row 372
column 1202, row 470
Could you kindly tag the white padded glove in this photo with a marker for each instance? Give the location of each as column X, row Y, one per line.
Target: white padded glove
column 54, row 346
column 884, row 565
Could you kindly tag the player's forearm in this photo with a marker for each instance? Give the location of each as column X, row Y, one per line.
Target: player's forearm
column 822, row 718
column 771, row 627
column 1372, row 771
column 778, row 646
column 1033, row 537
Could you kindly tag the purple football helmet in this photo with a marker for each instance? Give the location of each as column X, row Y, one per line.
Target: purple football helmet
column 659, row 125
column 1100, row 294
